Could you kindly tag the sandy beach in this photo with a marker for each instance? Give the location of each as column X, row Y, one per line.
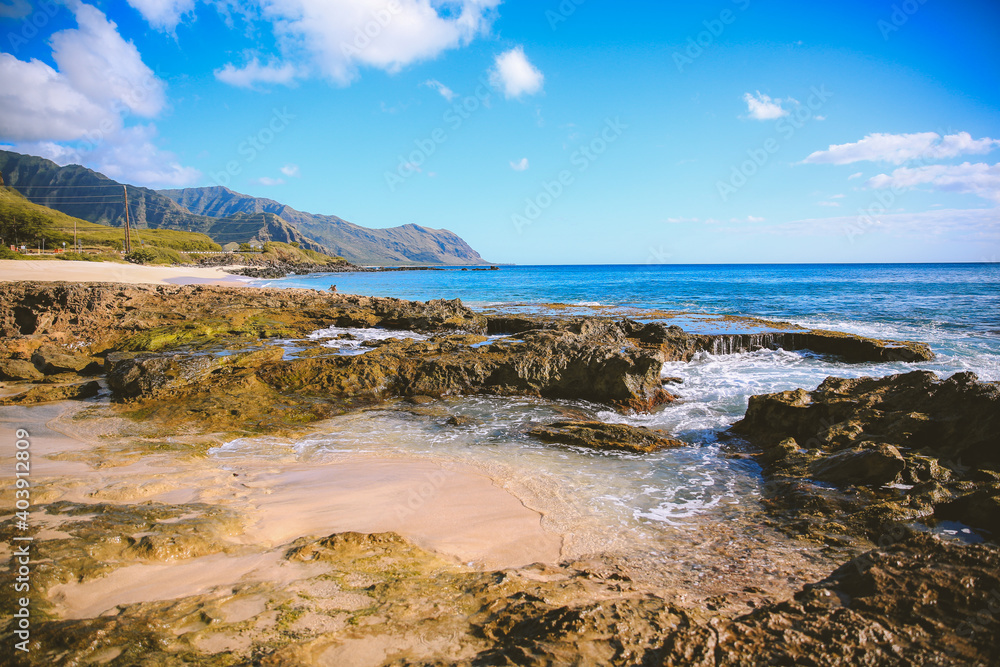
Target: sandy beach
column 452, row 510
column 110, row 272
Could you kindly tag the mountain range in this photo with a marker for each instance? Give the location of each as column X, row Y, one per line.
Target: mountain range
column 225, row 216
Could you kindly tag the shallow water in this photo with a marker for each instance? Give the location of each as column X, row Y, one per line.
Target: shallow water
column 688, row 517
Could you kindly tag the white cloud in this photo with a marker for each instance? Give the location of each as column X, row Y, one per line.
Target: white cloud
column 163, row 14
column 290, row 170
column 58, row 153
column 678, row 221
column 253, row 73
column 338, row 36
column 837, row 196
column 98, row 82
column 900, row 148
column 445, row 92
column 520, row 165
column 978, row 179
column 751, row 218
column 832, row 204
column 515, row 75
column 762, row 107
column 100, row 76
column 267, row 180
column 132, row 157
column 108, row 70
column 855, row 175
column 40, row 103
column 127, row 155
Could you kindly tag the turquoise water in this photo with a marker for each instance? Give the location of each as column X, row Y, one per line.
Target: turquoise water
column 953, row 307
column 657, row 503
column 964, row 296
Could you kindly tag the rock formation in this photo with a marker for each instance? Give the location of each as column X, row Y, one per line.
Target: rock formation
column 937, row 440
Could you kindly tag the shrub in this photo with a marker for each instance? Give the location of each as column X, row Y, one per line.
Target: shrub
column 141, row 256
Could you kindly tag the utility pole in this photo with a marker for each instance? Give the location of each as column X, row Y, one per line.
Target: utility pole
column 128, row 239
column 75, row 248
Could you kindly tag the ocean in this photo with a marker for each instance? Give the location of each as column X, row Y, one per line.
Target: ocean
column 654, row 505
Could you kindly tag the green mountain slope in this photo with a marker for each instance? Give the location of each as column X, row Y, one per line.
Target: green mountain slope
column 225, row 216
column 23, row 222
column 408, row 244
column 91, row 196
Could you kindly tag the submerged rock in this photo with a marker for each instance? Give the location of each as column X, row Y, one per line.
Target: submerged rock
column 603, row 436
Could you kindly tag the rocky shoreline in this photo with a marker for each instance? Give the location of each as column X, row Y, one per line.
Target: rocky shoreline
column 867, row 466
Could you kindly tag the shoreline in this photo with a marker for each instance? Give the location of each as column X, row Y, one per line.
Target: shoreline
column 148, row 527
column 450, row 509
column 13, row 270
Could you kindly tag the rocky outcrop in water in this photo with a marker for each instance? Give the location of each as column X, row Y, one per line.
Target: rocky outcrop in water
column 160, row 341
column 604, row 436
column 937, row 440
column 676, row 345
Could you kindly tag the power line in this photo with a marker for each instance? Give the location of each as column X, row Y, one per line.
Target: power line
column 67, row 196
column 16, row 186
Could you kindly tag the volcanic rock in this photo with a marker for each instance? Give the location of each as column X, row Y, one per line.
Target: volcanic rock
column 603, row 436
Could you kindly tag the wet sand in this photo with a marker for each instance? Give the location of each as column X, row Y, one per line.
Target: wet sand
column 112, row 272
column 446, row 508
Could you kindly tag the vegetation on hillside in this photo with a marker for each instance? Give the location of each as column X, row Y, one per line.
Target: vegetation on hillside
column 25, row 223
column 291, row 253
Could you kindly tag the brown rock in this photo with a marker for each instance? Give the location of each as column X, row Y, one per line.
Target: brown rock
column 603, row 436
column 47, row 393
column 868, row 464
column 872, row 431
column 18, row 369
column 53, row 360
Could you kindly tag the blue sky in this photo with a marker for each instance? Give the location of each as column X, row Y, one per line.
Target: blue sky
column 573, row 131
